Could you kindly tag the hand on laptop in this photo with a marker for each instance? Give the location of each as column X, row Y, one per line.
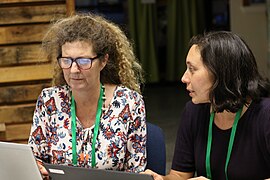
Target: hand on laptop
column 43, row 170
column 156, row 176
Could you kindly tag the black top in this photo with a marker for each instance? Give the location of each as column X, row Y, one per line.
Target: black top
column 250, row 157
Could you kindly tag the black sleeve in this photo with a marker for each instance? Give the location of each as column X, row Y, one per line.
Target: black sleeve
column 264, row 129
column 183, row 159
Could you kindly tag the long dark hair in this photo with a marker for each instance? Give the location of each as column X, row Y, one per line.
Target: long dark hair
column 234, row 68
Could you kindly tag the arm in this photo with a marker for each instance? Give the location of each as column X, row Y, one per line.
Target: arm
column 183, row 164
column 177, row 175
column 42, row 170
column 136, row 137
column 37, row 138
column 173, row 175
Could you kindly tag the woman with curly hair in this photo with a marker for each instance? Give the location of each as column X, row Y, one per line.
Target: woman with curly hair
column 94, row 115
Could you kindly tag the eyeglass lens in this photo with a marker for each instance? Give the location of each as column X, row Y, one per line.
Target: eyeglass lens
column 82, row 63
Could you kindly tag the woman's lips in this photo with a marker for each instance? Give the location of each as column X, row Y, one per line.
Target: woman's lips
column 190, row 92
column 75, row 79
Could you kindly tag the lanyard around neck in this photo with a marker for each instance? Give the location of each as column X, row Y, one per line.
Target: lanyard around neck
column 74, row 128
column 209, row 143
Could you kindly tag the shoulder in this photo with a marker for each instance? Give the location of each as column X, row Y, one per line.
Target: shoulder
column 258, row 114
column 265, row 104
column 123, row 91
column 261, row 107
column 55, row 91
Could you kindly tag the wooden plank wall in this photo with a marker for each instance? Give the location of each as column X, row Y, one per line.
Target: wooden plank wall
column 24, row 71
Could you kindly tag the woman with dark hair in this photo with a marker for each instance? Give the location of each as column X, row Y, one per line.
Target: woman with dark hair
column 225, row 130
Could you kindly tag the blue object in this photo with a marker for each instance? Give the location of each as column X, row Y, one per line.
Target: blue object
column 156, row 149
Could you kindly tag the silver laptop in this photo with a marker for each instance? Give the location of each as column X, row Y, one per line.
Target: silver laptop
column 60, row 172
column 17, row 162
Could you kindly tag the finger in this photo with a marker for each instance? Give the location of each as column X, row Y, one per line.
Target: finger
column 149, row 172
column 44, row 172
column 152, row 173
column 42, row 169
column 198, row 178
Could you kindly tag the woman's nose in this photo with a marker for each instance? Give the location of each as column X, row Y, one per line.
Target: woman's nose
column 74, row 67
column 185, row 78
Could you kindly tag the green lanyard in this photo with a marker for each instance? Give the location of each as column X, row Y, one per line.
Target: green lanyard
column 209, row 143
column 74, row 128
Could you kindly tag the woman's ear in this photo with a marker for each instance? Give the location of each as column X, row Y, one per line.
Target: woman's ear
column 104, row 61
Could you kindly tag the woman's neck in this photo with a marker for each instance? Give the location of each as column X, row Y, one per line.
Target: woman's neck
column 86, row 103
column 86, row 98
column 225, row 119
column 86, row 106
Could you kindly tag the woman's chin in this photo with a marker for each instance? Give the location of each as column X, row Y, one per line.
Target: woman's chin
column 197, row 101
column 76, row 86
column 194, row 101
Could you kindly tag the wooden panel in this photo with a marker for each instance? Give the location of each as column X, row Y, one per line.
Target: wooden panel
column 30, row 14
column 17, row 113
column 2, row 127
column 70, row 4
column 18, row 94
column 24, row 69
column 17, row 132
column 23, row 33
column 25, row 73
column 2, row 135
column 19, row 55
column 23, row 1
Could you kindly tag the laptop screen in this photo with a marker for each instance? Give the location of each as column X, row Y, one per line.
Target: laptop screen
column 17, row 162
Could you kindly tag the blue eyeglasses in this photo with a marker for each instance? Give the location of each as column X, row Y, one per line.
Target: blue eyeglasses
column 81, row 62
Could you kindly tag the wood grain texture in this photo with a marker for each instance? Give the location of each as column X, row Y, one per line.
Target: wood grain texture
column 20, row 55
column 17, row 113
column 2, row 127
column 22, row 33
column 20, row 93
column 28, row 1
column 26, row 73
column 23, row 67
column 17, row 132
column 31, row 14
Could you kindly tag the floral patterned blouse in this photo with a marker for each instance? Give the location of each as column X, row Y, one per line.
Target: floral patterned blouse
column 121, row 141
